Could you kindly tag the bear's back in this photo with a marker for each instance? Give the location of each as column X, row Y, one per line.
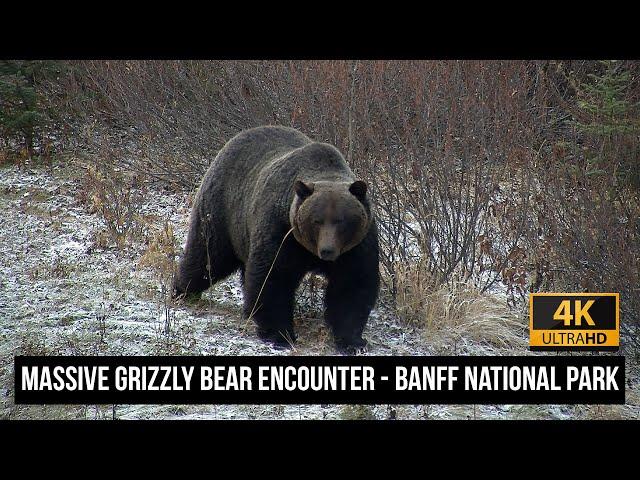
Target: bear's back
column 234, row 172
column 259, row 146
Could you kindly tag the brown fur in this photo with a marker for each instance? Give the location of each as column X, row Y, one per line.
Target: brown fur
column 262, row 183
column 327, row 217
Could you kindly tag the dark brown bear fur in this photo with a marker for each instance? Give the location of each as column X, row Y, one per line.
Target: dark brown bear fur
column 262, row 183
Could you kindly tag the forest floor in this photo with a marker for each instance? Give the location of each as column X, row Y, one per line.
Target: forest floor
column 65, row 290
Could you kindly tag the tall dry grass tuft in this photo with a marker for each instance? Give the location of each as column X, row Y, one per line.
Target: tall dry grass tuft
column 456, row 314
column 117, row 198
column 161, row 254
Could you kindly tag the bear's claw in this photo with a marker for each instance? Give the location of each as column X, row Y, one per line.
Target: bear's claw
column 351, row 346
column 277, row 338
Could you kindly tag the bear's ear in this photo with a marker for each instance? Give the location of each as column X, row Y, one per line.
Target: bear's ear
column 359, row 189
column 303, row 190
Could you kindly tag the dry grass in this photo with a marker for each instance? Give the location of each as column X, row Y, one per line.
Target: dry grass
column 357, row 412
column 456, row 315
column 117, row 197
column 161, row 253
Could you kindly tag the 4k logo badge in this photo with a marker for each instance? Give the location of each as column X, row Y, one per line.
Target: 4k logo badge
column 574, row 321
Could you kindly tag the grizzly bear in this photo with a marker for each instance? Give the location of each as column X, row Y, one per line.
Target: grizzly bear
column 263, row 183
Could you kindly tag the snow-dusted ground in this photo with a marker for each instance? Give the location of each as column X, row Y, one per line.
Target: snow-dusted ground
column 61, row 293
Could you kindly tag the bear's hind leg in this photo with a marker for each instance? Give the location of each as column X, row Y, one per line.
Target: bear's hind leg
column 208, row 258
column 192, row 276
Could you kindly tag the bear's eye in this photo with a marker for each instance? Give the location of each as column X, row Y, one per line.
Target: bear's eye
column 317, row 221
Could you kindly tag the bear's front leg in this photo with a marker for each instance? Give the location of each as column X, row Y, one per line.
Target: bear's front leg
column 269, row 294
column 352, row 291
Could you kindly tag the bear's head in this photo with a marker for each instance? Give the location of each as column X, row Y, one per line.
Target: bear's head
column 329, row 218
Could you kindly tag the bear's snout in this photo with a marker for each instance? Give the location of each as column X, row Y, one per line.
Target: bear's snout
column 328, row 243
column 328, row 253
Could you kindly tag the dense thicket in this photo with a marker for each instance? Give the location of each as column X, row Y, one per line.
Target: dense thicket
column 521, row 172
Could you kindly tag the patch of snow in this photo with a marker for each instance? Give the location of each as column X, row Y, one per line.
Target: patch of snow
column 60, row 296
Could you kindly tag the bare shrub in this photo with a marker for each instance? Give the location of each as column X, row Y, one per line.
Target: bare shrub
column 586, row 217
column 179, row 113
column 441, row 140
column 117, row 198
column 591, row 229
